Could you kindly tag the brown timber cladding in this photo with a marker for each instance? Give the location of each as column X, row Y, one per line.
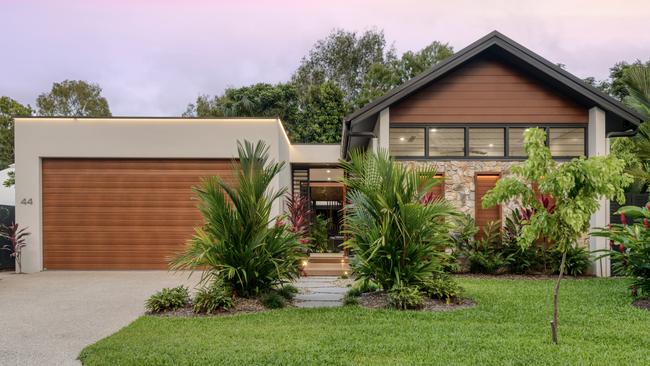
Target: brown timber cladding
column 485, row 182
column 487, row 91
column 121, row 213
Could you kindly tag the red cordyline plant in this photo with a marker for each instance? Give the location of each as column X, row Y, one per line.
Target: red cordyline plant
column 17, row 238
column 299, row 214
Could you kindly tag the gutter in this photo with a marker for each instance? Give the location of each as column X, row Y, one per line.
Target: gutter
column 628, row 133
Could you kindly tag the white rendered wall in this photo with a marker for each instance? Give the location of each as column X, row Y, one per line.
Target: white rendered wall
column 38, row 138
column 598, row 146
column 315, row 153
column 382, row 129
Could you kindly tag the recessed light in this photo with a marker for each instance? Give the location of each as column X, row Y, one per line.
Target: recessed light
column 433, row 130
column 491, row 145
column 329, row 171
column 328, row 178
column 402, row 139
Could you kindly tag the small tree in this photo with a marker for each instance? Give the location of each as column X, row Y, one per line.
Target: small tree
column 17, row 241
column 574, row 187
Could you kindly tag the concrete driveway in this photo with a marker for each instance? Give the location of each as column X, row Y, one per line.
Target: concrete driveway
column 47, row 318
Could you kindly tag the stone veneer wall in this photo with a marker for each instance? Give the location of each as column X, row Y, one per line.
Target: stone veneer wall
column 459, row 179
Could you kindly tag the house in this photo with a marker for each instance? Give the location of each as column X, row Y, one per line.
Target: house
column 115, row 193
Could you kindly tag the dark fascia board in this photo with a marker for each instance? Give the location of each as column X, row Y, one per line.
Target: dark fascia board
column 495, row 38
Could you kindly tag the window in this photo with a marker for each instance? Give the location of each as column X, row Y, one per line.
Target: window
column 446, row 141
column 486, row 142
column 567, row 141
column 516, row 141
column 406, row 141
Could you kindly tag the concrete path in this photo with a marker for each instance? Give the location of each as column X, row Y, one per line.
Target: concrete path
column 318, row 292
column 47, row 318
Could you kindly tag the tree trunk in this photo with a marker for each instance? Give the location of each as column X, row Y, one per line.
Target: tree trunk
column 555, row 296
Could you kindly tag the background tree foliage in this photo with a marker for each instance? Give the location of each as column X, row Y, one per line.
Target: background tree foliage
column 342, row 72
column 9, row 108
column 73, row 98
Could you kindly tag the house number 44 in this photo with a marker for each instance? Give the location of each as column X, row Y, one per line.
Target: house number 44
column 26, row 201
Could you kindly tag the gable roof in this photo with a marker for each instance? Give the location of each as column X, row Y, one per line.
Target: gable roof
column 532, row 60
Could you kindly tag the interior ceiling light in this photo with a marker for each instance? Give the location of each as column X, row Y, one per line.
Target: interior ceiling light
column 402, row 139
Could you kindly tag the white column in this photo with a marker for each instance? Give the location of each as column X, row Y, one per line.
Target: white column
column 382, row 128
column 598, row 146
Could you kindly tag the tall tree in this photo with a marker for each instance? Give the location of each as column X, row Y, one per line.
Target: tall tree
column 343, row 58
column 9, row 108
column 381, row 77
column 73, row 98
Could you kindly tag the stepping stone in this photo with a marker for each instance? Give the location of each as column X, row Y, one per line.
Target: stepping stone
column 319, row 296
column 319, row 304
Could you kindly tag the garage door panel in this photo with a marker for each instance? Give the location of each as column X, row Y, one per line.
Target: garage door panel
column 121, row 213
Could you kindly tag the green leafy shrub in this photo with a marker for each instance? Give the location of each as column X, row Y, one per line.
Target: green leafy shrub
column 319, row 237
column 485, row 255
column 405, row 298
column 210, row 299
column 364, row 285
column 630, row 249
column 287, row 291
column 397, row 239
column 577, row 260
column 273, row 301
column 239, row 242
column 351, row 299
column 520, row 260
column 442, row 287
column 168, row 299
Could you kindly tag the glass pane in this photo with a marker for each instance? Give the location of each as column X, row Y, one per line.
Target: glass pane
column 446, row 142
column 567, row 141
column 406, row 141
column 325, row 174
column 516, row 141
column 486, row 142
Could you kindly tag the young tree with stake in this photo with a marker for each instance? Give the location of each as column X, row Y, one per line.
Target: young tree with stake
column 574, row 187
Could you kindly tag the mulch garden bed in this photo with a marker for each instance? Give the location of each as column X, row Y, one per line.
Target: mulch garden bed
column 241, row 306
column 379, row 300
column 642, row 303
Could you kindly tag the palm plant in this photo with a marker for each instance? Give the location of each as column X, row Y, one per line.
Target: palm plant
column 397, row 239
column 238, row 242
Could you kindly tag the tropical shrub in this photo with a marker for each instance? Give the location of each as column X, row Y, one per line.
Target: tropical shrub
column 298, row 214
column 442, row 287
column 287, row 291
column 351, row 299
column 463, row 233
column 484, row 255
column 17, row 241
column 273, row 300
column 397, row 240
column 405, row 298
column 319, row 235
column 210, row 299
column 363, row 285
column 630, row 247
column 521, row 260
column 576, row 263
column 572, row 191
column 168, row 299
column 238, row 241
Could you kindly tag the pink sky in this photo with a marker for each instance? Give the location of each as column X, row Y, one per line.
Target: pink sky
column 153, row 57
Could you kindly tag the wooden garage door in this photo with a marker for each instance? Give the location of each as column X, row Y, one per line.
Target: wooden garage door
column 121, row 213
column 485, row 182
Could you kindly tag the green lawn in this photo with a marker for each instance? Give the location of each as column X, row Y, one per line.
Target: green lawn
column 510, row 326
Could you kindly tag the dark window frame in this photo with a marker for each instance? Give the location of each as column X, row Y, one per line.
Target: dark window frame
column 425, row 131
column 505, row 126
